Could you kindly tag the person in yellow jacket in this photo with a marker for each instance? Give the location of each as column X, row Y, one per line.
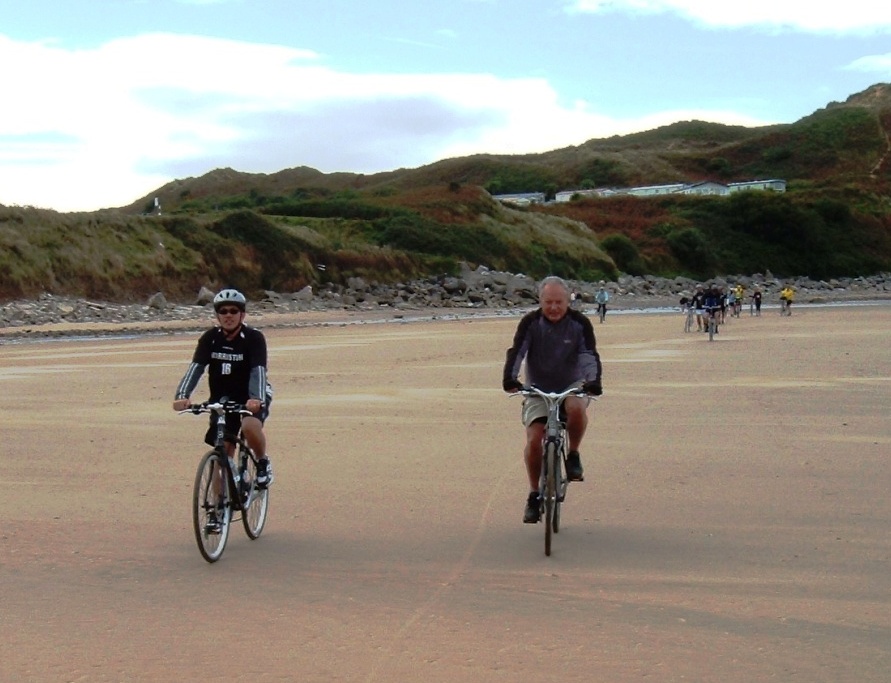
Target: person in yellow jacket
column 787, row 295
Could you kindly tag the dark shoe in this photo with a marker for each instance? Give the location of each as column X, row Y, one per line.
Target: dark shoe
column 213, row 525
column 264, row 473
column 532, row 514
column 574, row 471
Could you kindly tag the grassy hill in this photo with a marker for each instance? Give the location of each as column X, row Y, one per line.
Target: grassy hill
column 283, row 230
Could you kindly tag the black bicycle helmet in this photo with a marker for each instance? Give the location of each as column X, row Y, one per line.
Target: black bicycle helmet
column 229, row 296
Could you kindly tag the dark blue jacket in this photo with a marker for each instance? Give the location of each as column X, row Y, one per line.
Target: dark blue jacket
column 557, row 354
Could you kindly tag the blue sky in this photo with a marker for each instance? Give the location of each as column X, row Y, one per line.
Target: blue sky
column 106, row 100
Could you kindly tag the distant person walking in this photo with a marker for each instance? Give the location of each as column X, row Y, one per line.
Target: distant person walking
column 787, row 295
column 602, row 297
column 697, row 301
column 686, row 304
column 756, row 302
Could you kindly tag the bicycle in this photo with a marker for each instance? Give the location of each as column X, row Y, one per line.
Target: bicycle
column 601, row 311
column 553, row 482
column 712, row 323
column 689, row 314
column 225, row 485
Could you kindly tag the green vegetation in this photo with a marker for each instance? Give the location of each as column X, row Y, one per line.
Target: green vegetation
column 289, row 245
column 300, row 226
column 625, row 254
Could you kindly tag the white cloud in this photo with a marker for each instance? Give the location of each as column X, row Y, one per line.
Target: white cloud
column 853, row 16
column 98, row 128
column 872, row 64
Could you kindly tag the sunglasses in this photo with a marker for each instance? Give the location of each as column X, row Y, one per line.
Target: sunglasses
column 228, row 311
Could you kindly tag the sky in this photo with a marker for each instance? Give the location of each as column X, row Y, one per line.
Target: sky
column 105, row 101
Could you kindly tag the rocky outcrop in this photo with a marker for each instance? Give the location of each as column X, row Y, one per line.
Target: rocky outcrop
column 479, row 289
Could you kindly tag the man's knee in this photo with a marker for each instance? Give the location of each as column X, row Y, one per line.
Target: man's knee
column 251, row 425
column 535, row 432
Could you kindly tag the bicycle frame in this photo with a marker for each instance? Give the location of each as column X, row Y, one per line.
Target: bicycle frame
column 711, row 319
column 234, row 470
column 689, row 318
column 224, row 484
column 552, row 481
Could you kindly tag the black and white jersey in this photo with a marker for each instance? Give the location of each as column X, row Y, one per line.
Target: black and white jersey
column 236, row 367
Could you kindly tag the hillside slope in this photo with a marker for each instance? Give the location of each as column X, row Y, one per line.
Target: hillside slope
column 126, row 258
column 299, row 226
column 844, row 142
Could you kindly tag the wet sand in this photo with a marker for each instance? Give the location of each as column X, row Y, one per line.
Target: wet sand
column 733, row 525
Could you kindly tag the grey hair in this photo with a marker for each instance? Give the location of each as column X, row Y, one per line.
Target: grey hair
column 553, row 280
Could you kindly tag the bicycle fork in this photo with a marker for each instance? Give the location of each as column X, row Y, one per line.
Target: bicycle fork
column 555, row 445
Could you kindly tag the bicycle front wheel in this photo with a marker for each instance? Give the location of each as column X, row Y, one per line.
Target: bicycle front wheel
column 712, row 324
column 210, row 513
column 254, row 501
column 550, row 491
column 559, row 488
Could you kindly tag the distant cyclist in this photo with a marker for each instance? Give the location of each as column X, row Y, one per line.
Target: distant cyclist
column 730, row 297
column 739, row 293
column 235, row 356
column 712, row 304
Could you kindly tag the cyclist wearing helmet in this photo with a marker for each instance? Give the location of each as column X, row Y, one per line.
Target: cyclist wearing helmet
column 235, row 356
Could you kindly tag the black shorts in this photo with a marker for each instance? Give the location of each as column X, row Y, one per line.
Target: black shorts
column 233, row 422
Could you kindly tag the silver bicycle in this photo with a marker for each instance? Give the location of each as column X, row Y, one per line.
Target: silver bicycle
column 689, row 315
column 553, row 483
column 712, row 321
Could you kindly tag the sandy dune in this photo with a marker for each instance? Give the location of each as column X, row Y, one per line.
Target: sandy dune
column 734, row 525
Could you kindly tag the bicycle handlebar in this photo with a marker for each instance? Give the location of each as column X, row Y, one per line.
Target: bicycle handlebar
column 217, row 407
column 553, row 395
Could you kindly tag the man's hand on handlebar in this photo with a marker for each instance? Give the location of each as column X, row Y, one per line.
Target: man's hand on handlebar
column 594, row 387
column 181, row 404
column 512, row 386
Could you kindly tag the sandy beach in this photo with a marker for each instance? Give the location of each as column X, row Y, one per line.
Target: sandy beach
column 733, row 525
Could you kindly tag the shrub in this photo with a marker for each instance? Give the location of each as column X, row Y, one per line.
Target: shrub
column 624, row 253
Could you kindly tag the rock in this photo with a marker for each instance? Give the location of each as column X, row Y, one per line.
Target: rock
column 305, row 295
column 205, row 296
column 157, row 301
column 357, row 284
column 479, row 288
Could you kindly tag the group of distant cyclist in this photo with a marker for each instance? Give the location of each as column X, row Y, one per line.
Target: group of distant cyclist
column 713, row 303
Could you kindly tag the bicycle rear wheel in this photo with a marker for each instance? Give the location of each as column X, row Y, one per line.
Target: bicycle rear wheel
column 254, row 501
column 550, row 491
column 210, row 514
